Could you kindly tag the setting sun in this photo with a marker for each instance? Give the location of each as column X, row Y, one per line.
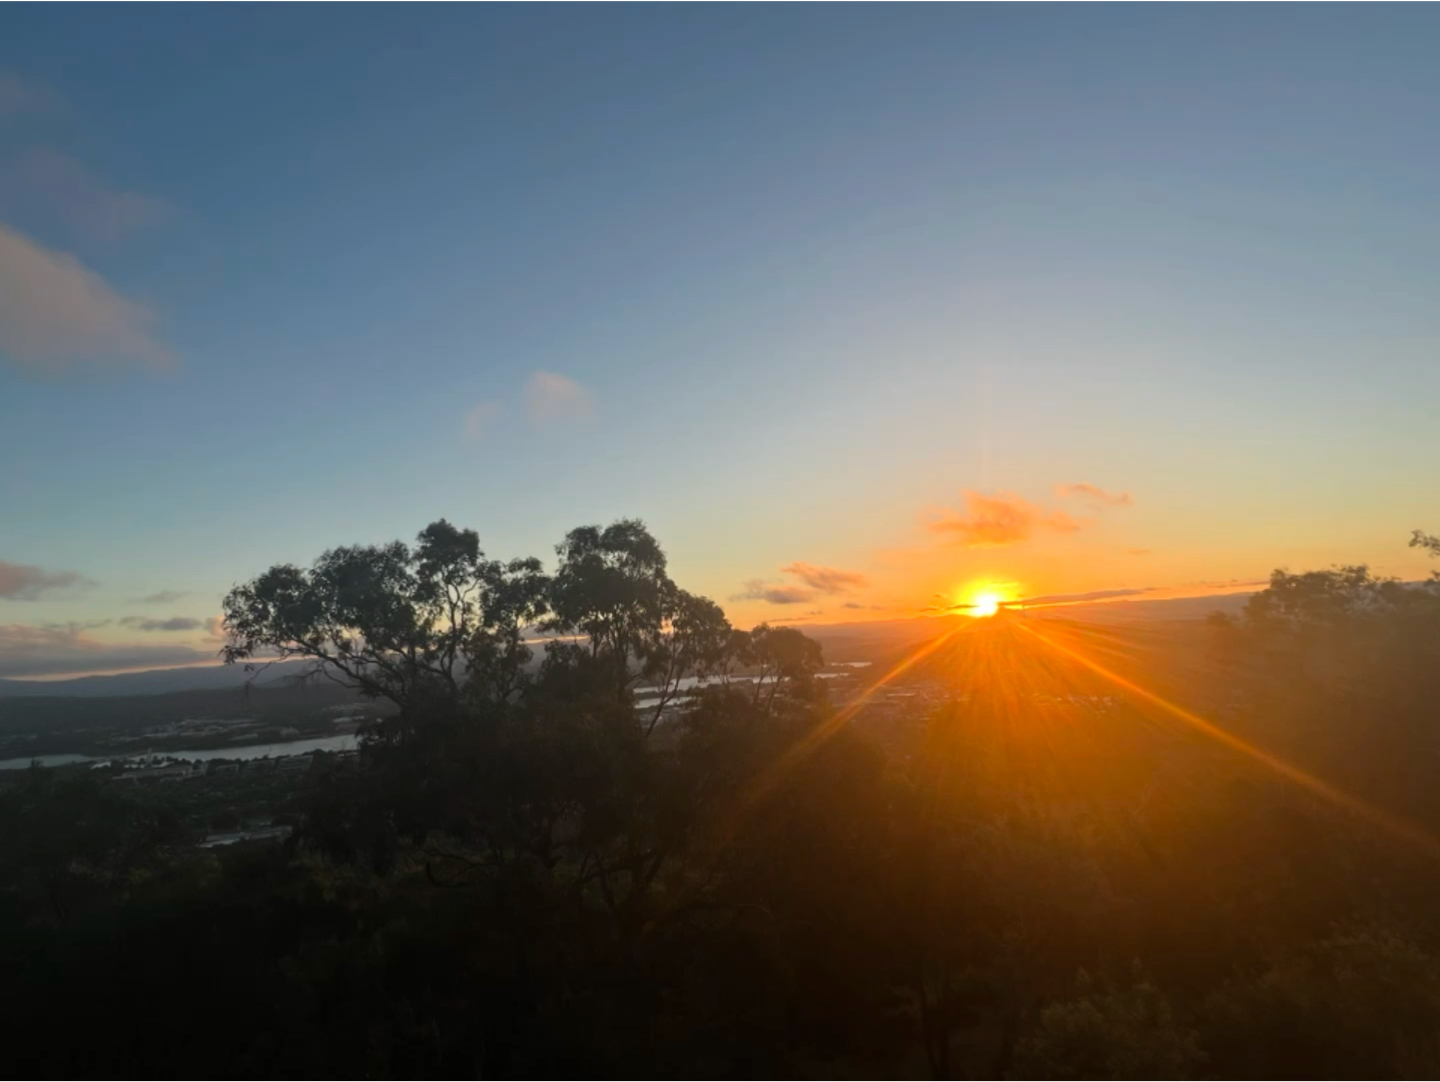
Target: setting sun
column 985, row 603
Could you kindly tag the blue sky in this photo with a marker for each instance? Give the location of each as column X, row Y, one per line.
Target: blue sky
column 785, row 282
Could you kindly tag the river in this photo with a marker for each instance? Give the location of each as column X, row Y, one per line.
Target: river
column 338, row 742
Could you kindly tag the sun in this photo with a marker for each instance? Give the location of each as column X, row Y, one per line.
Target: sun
column 983, row 597
column 985, row 603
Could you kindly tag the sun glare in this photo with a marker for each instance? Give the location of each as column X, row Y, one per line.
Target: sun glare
column 985, row 603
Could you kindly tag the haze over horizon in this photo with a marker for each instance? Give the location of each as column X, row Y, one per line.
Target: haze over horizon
column 865, row 315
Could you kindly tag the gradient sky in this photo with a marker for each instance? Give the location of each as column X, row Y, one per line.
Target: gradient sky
column 853, row 289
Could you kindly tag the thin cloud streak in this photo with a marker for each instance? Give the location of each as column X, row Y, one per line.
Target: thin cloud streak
column 25, row 97
column 478, row 418
column 775, row 593
column 51, row 183
column 552, row 397
column 162, row 597
column 1001, row 519
column 1092, row 494
column 173, row 623
column 55, row 312
column 28, row 650
column 25, row 582
column 1075, row 599
column 828, row 580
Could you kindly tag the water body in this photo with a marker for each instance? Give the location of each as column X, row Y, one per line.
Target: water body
column 338, row 742
column 43, row 760
column 213, row 841
column 651, row 695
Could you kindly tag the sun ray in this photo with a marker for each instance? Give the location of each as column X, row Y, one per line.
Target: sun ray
column 1400, row 827
column 798, row 752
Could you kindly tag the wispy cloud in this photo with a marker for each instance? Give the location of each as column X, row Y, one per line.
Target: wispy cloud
column 552, row 397
column 828, row 580
column 25, row 582
column 943, row 605
column 776, row 593
column 45, row 181
column 1137, row 552
column 1078, row 490
column 25, row 97
column 55, row 312
column 173, row 623
column 1073, row 599
column 1001, row 519
column 478, row 418
column 162, row 597
column 55, row 649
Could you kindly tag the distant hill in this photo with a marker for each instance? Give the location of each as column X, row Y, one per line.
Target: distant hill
column 860, row 641
column 871, row 639
column 1174, row 608
column 94, row 724
column 150, row 682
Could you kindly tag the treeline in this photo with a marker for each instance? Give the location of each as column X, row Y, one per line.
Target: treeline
column 532, row 869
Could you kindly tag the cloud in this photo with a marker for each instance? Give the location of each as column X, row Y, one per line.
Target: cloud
column 1090, row 494
column 1072, row 599
column 944, row 605
column 174, row 623
column 55, row 649
column 854, row 605
column 215, row 628
column 776, row 593
column 47, row 182
column 552, row 397
column 1137, row 552
column 163, row 597
column 828, row 580
column 1001, row 519
column 477, row 419
column 23, row 582
column 23, row 97
column 54, row 311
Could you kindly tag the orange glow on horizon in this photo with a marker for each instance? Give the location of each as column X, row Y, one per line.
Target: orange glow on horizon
column 1000, row 672
column 1397, row 825
column 983, row 598
column 986, row 603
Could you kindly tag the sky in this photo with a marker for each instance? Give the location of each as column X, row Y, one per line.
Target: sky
column 860, row 308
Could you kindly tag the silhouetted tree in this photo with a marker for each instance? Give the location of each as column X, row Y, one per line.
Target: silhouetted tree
column 782, row 656
column 612, row 587
column 395, row 621
column 537, row 870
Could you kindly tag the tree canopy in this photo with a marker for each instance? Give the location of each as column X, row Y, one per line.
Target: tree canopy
column 562, row 850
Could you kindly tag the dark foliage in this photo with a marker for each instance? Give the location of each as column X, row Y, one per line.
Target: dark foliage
column 586, row 866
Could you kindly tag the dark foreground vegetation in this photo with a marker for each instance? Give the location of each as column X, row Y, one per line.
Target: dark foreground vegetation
column 577, row 869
